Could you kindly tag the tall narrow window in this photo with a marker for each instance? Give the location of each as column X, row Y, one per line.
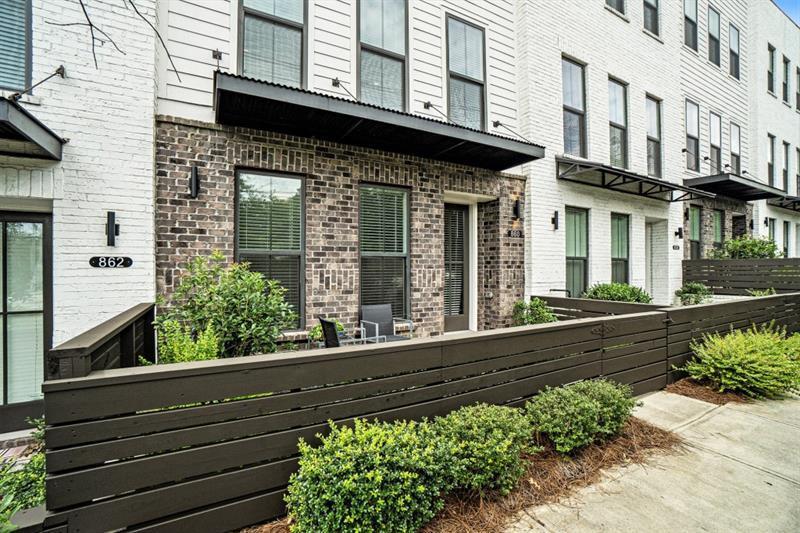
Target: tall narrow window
column 771, row 222
column 695, row 215
column 577, row 229
column 771, row 160
column 719, row 228
column 771, row 69
column 797, row 175
column 733, row 56
column 786, row 166
column 786, row 70
column 715, row 137
column 787, row 232
column 692, row 136
column 690, row 23
column 616, row 5
column 467, row 82
column 269, row 230
column 653, row 137
column 736, row 150
column 797, row 89
column 713, row 36
column 382, row 32
column 651, row 22
column 620, row 225
column 272, row 41
column 15, row 28
column 383, row 232
column 573, row 92
column 618, row 123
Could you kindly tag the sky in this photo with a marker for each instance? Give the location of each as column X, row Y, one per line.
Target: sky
column 792, row 7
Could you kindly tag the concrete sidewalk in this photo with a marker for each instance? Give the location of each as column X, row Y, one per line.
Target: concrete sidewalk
column 740, row 471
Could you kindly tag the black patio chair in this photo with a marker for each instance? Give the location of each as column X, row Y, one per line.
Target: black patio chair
column 333, row 338
column 378, row 325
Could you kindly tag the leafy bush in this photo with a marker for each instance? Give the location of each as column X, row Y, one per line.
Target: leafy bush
column 693, row 293
column 372, row 477
column 577, row 415
column 753, row 362
column 246, row 311
column 22, row 487
column 536, row 311
column 486, row 443
column 756, row 293
column 747, row 248
column 315, row 333
column 791, row 347
column 618, row 292
column 176, row 345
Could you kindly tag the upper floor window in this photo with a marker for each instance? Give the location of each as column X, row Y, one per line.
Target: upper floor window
column 715, row 138
column 15, row 44
column 467, row 86
column 771, row 69
column 690, row 23
column 797, row 90
column 786, row 70
column 797, row 174
column 771, row 159
column 272, row 41
column 736, row 149
column 713, row 36
column 574, row 96
column 382, row 35
column 651, row 22
column 653, row 137
column 692, row 136
column 618, row 123
column 786, row 152
column 733, row 45
column 616, row 5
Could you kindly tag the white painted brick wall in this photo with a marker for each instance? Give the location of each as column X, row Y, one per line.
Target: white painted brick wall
column 107, row 115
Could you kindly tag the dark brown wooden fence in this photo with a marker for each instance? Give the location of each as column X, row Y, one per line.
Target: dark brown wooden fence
column 736, row 276
column 210, row 446
column 569, row 308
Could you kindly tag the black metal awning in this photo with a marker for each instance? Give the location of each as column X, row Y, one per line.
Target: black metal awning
column 792, row 203
column 22, row 135
column 251, row 103
column 624, row 181
column 736, row 187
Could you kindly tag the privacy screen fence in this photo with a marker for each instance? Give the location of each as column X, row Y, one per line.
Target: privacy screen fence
column 210, row 446
column 736, row 276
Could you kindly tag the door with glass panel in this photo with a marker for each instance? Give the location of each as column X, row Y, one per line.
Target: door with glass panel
column 456, row 267
column 577, row 225
column 25, row 330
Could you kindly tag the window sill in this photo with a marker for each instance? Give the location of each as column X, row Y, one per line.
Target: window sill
column 617, row 13
column 690, row 49
column 653, row 35
column 787, row 104
column 26, row 98
column 772, row 94
column 734, row 78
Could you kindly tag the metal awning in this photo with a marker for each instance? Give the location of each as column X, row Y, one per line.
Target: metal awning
column 736, row 187
column 251, row 103
column 624, row 181
column 792, row 203
column 22, row 135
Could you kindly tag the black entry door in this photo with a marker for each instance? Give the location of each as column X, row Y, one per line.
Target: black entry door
column 456, row 268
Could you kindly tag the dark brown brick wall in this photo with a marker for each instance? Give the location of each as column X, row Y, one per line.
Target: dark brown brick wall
column 187, row 227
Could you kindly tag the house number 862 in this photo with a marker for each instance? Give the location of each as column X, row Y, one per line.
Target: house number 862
column 110, row 261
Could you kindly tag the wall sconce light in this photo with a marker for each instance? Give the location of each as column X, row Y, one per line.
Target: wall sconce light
column 752, row 224
column 518, row 208
column 685, row 214
column 112, row 228
column 194, row 183
column 766, row 221
column 554, row 220
column 679, row 233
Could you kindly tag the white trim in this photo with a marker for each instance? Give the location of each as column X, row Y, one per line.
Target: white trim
column 473, row 266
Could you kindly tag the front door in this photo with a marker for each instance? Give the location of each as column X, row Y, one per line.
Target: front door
column 456, row 267
column 24, row 316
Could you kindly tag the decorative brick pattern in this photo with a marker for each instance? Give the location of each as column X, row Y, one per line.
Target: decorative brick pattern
column 187, row 227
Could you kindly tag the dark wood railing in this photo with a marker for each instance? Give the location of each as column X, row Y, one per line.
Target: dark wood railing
column 569, row 308
column 736, row 276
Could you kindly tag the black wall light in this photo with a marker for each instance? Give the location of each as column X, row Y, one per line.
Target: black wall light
column 679, row 233
column 554, row 220
column 752, row 224
column 194, row 183
column 112, row 228
column 518, row 209
column 766, row 221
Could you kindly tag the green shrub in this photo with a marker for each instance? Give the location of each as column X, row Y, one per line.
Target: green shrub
column 580, row 414
column 315, row 333
column 791, row 347
column 486, row 444
column 247, row 312
column 176, row 345
column 747, row 248
column 693, row 293
column 753, row 362
column 536, row 311
column 22, row 487
column 756, row 293
column 618, row 292
column 372, row 477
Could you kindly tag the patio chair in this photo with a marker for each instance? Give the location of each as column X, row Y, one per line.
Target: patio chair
column 378, row 325
column 333, row 338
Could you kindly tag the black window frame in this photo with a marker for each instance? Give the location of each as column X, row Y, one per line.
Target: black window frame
column 462, row 77
column 736, row 157
column 771, row 160
column 581, row 114
column 771, row 69
column 771, row 227
column 619, row 260
column 583, row 259
column 714, row 46
column 28, row 49
column 785, row 173
column 619, row 6
column 653, row 7
column 623, row 128
column 787, row 231
column 690, row 24
column 734, row 61
column 721, row 214
column 797, row 89
column 715, row 151
column 693, row 154
column 695, row 245
column 787, row 69
column 653, row 141
column 797, row 172
column 245, row 12
column 372, row 49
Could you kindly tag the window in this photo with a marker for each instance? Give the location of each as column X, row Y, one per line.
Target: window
column 797, row 175
column 653, row 137
column 786, row 166
column 382, row 56
column 695, row 215
column 713, row 36
column 15, row 50
column 651, row 22
column 771, row 229
column 577, row 226
column 733, row 56
column 786, row 70
column 690, row 23
column 383, row 234
column 466, row 82
column 692, row 136
column 573, row 92
column 269, row 230
column 618, row 123
column 719, row 228
column 272, row 41
column 771, row 160
column 736, row 150
column 715, row 137
column 787, row 231
column 771, row 69
column 619, row 248
column 797, row 90
column 616, row 5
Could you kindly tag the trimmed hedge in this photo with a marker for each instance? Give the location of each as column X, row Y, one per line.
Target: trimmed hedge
column 618, row 292
column 536, row 311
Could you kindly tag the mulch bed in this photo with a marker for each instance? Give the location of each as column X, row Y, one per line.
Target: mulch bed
column 702, row 391
column 549, row 478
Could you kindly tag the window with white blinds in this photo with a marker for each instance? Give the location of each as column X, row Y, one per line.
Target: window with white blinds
column 466, row 80
column 455, row 266
column 382, row 32
column 272, row 41
column 15, row 27
column 269, row 229
column 383, row 237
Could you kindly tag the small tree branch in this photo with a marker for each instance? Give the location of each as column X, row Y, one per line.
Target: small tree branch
column 92, row 30
column 160, row 39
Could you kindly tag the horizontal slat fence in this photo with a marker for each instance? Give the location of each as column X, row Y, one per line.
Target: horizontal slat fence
column 736, row 276
column 569, row 308
column 210, row 446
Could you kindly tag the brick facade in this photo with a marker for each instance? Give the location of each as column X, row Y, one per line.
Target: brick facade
column 738, row 217
column 187, row 227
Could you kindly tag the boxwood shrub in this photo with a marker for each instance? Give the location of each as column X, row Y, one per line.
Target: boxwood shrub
column 693, row 293
column 618, row 292
column 535, row 311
